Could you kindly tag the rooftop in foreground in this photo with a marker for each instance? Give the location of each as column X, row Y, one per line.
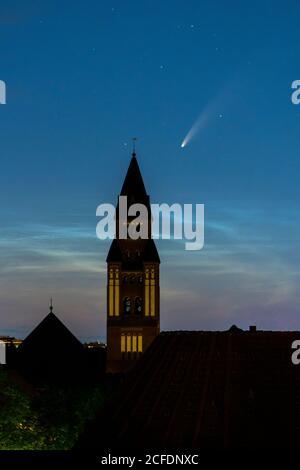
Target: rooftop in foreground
column 204, row 389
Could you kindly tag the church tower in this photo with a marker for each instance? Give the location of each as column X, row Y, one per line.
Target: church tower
column 132, row 284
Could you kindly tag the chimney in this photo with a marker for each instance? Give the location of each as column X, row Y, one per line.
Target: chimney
column 252, row 328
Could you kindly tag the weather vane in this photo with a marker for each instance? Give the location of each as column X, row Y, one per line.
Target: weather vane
column 51, row 305
column 134, row 139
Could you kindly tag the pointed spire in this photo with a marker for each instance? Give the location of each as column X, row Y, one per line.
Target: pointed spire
column 134, row 139
column 51, row 306
column 133, row 183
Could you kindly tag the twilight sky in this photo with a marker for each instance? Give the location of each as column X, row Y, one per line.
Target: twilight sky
column 83, row 78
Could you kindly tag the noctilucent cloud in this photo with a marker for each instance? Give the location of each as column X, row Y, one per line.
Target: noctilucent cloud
column 82, row 78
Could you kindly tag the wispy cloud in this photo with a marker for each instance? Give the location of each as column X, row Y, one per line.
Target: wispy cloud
column 247, row 272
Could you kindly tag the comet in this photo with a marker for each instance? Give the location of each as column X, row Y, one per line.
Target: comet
column 199, row 124
column 210, row 111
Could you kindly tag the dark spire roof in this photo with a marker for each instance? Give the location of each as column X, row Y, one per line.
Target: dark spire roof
column 151, row 253
column 114, row 253
column 48, row 330
column 133, row 184
column 51, row 353
column 134, row 188
column 235, row 329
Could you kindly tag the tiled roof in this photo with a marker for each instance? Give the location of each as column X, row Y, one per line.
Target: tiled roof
column 202, row 389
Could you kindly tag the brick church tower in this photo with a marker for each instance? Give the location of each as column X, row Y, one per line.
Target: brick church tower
column 132, row 284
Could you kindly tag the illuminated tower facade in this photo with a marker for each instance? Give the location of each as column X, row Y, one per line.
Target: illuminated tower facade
column 132, row 284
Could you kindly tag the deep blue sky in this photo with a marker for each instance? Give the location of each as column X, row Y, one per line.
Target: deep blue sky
column 83, row 78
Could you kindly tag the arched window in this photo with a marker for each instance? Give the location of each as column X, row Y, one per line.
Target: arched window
column 138, row 305
column 126, row 305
